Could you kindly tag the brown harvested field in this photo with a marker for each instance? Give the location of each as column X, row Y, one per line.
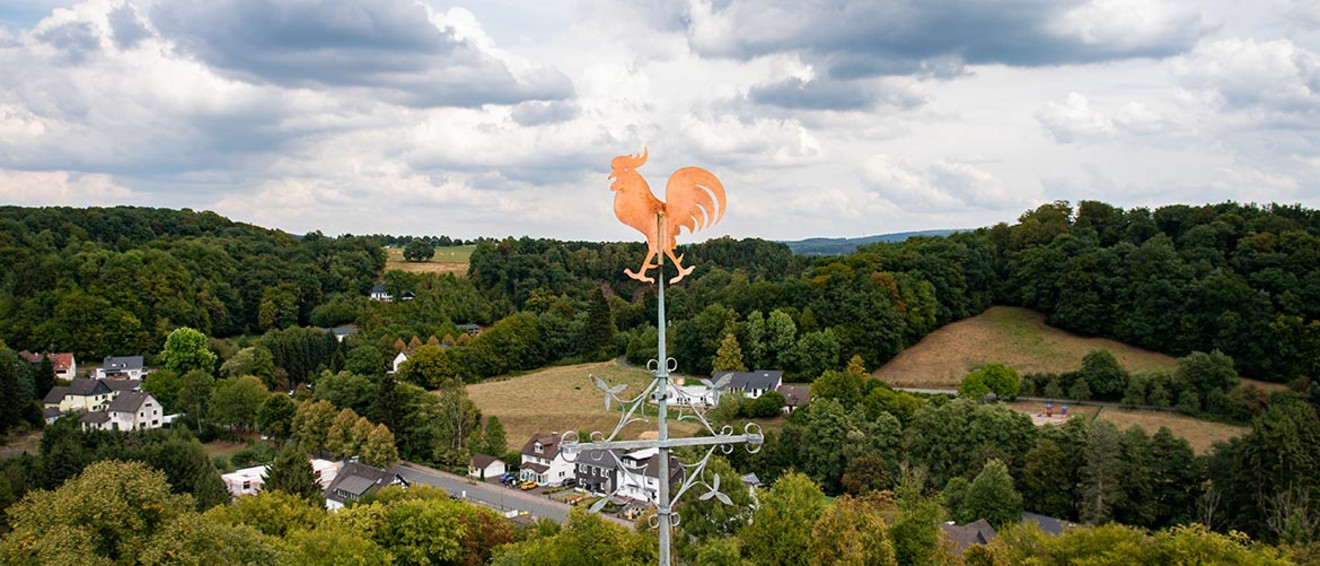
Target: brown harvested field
column 1013, row 336
column 1200, row 434
column 563, row 398
column 450, row 259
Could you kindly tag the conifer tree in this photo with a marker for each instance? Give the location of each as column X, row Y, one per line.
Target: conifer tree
column 729, row 357
column 44, row 378
column 856, row 366
column 292, row 473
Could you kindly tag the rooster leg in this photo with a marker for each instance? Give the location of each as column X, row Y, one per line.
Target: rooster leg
column 646, row 266
column 678, row 264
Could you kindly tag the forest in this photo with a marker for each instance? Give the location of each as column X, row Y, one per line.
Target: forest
column 1230, row 289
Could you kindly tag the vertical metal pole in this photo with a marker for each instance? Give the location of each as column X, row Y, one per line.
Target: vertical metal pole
column 662, row 374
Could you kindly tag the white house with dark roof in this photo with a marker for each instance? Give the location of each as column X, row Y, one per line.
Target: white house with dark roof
column 752, row 384
column 378, row 293
column 355, row 480
column 640, row 477
column 125, row 367
column 542, row 462
column 485, row 466
column 86, row 395
column 130, row 410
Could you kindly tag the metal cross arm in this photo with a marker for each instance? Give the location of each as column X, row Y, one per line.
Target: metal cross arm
column 570, row 448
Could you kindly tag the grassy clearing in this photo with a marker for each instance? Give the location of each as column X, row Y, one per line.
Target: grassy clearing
column 223, row 448
column 448, row 259
column 29, row 442
column 1013, row 336
column 1200, row 434
column 561, row 399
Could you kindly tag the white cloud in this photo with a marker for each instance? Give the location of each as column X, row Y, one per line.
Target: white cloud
column 1274, row 79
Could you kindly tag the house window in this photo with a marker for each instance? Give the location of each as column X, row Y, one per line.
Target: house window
column 537, row 448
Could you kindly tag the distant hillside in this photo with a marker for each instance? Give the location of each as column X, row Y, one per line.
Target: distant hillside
column 843, row 246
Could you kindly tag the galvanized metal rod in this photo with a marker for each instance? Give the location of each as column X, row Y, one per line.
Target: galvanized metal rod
column 671, row 443
column 662, row 378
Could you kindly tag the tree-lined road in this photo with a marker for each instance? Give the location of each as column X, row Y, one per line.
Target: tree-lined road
column 491, row 495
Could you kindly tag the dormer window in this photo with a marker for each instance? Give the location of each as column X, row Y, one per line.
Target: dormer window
column 538, row 448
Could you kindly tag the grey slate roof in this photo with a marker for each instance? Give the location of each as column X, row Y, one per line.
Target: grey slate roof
column 355, row 479
column 56, row 394
column 77, row 387
column 122, row 363
column 1048, row 525
column 96, row 418
column 748, row 380
column 598, row 458
column 122, row 385
column 51, row 412
column 128, row 402
column 964, row 536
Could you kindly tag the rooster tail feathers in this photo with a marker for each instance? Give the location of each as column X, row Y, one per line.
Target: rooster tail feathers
column 694, row 199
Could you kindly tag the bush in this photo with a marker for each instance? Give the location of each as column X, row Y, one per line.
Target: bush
column 255, row 454
column 766, row 406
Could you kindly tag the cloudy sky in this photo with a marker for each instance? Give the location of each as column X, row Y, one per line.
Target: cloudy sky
column 500, row 117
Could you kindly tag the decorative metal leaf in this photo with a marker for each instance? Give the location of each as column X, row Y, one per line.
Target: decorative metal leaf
column 618, row 388
column 707, row 383
column 597, row 506
column 600, row 384
column 706, row 496
column 607, row 402
column 724, row 381
column 723, row 498
column 716, row 485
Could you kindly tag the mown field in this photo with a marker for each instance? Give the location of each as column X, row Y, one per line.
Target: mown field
column 1200, row 434
column 448, row 259
column 1013, row 336
column 563, row 398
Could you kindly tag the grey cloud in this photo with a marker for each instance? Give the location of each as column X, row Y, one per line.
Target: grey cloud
column 387, row 46
column 127, row 27
column 539, row 112
column 74, row 40
column 894, row 37
column 813, row 95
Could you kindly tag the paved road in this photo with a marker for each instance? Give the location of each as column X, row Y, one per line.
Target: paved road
column 490, row 495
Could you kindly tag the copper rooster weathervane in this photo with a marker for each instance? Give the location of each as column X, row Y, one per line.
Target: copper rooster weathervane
column 694, row 199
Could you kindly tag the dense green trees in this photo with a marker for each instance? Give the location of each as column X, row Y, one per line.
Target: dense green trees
column 418, row 250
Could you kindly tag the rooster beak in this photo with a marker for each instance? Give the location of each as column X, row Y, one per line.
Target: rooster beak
column 612, row 175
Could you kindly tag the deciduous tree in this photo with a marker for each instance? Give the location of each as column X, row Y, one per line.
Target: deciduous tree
column 186, row 350
column 292, row 473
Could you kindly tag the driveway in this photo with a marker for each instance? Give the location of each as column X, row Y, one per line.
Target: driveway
column 491, row 495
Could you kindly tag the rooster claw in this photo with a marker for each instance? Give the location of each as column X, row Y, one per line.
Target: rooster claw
column 682, row 272
column 639, row 276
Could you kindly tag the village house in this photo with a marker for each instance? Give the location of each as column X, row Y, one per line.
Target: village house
column 378, row 293
column 130, row 410
column 485, row 466
column 542, row 462
column 795, row 396
column 399, row 359
column 355, row 480
column 126, row 367
column 964, row 536
column 85, row 395
column 752, row 384
column 249, row 481
column 66, row 367
column 641, row 479
column 597, row 472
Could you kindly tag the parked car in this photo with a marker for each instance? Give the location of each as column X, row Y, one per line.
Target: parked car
column 528, row 485
column 570, row 482
column 508, row 477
